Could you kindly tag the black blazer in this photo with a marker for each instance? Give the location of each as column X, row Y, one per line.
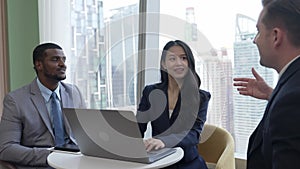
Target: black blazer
column 275, row 143
column 156, row 110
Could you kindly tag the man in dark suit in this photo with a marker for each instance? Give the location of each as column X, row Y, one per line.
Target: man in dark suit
column 27, row 124
column 275, row 142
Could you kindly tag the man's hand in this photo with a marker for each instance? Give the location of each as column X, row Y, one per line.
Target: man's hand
column 256, row 88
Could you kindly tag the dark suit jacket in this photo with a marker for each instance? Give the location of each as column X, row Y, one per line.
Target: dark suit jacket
column 170, row 130
column 25, row 127
column 275, row 143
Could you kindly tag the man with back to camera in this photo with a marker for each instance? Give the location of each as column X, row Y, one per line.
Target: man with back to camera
column 275, row 142
column 28, row 125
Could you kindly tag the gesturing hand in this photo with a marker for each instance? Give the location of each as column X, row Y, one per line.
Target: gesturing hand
column 256, row 88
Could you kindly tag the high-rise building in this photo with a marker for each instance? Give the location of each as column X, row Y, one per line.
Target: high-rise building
column 121, row 37
column 216, row 77
column 215, row 70
column 248, row 111
column 104, row 53
column 87, row 46
column 191, row 26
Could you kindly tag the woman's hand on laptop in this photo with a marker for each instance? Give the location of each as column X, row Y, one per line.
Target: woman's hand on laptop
column 153, row 143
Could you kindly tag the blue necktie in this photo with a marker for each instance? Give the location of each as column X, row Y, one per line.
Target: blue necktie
column 57, row 120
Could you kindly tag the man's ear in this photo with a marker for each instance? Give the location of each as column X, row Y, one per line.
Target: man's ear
column 277, row 37
column 38, row 65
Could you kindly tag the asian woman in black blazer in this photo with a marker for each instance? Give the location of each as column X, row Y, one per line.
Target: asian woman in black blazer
column 176, row 106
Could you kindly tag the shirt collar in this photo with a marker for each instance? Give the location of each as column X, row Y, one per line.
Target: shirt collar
column 46, row 93
column 286, row 66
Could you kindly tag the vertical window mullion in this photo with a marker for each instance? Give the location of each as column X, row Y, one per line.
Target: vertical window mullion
column 141, row 48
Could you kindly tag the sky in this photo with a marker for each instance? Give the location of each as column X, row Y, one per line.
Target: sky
column 215, row 18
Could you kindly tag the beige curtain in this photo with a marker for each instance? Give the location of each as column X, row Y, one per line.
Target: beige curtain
column 4, row 81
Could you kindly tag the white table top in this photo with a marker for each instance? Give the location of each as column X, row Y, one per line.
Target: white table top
column 63, row 160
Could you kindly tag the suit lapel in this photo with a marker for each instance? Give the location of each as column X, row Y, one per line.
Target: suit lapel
column 66, row 101
column 65, row 97
column 40, row 105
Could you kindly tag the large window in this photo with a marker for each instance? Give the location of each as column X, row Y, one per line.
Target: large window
column 113, row 49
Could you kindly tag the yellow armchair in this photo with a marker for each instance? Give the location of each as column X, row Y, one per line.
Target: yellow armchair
column 217, row 147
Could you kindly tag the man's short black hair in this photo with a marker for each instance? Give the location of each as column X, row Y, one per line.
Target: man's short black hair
column 39, row 51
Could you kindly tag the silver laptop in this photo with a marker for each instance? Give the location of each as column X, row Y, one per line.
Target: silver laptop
column 112, row 134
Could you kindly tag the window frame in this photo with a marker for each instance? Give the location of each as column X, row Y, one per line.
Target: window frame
column 4, row 80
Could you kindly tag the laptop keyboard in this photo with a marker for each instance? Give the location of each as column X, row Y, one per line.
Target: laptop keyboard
column 159, row 151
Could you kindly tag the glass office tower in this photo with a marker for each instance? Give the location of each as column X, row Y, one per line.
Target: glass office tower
column 103, row 66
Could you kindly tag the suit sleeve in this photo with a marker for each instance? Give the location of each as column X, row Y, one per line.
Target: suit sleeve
column 10, row 138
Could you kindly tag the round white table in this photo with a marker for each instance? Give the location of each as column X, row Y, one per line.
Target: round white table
column 65, row 160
